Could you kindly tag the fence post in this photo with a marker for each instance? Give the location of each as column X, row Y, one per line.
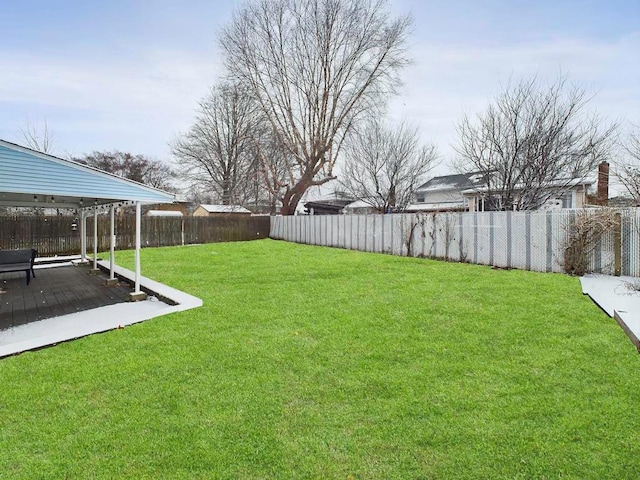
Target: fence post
column 617, row 244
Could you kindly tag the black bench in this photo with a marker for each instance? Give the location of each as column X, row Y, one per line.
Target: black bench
column 18, row 261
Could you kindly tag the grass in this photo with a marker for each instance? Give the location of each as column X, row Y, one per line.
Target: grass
column 310, row 362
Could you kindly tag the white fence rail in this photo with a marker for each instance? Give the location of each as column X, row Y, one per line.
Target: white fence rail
column 524, row 240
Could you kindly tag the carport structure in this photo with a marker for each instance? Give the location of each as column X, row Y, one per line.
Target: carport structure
column 33, row 179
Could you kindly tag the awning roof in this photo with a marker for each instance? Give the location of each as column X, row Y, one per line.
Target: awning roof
column 31, row 178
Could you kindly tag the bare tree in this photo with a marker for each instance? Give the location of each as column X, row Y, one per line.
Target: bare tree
column 629, row 169
column 314, row 67
column 533, row 143
column 272, row 168
column 218, row 153
column 37, row 137
column 138, row 168
column 384, row 166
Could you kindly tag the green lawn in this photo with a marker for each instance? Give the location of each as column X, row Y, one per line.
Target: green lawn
column 310, row 362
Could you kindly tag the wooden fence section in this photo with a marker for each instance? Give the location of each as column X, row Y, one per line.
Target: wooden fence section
column 55, row 235
column 524, row 240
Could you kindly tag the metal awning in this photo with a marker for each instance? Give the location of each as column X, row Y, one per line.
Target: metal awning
column 33, row 179
column 29, row 178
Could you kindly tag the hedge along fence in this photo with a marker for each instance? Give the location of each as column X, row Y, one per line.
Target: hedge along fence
column 525, row 240
column 55, row 235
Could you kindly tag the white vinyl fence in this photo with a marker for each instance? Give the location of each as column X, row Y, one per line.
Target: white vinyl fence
column 524, row 240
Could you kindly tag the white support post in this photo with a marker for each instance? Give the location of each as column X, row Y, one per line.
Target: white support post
column 112, row 246
column 95, row 238
column 83, row 236
column 137, row 294
column 137, row 287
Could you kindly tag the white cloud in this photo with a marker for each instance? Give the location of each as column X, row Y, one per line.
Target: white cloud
column 114, row 101
column 138, row 101
column 447, row 82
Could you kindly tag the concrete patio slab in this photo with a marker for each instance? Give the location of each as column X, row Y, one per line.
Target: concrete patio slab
column 181, row 300
column 76, row 325
column 614, row 296
column 62, row 328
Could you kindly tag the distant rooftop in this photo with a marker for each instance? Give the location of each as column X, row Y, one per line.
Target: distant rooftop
column 225, row 208
column 437, row 207
column 459, row 181
column 358, row 204
column 163, row 213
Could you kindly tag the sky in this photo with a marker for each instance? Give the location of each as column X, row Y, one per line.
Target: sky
column 128, row 75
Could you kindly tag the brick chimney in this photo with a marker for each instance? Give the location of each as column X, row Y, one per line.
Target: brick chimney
column 603, row 183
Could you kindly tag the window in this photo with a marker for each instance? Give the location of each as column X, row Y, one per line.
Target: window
column 567, row 200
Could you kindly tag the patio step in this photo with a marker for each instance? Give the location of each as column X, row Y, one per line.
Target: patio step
column 618, row 300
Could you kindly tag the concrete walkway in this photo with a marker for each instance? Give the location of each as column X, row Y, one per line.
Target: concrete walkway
column 619, row 301
column 62, row 328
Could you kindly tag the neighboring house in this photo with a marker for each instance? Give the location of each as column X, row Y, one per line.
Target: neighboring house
column 445, row 193
column 218, row 210
column 574, row 195
column 319, row 202
column 467, row 192
column 332, row 206
column 185, row 208
column 359, row 207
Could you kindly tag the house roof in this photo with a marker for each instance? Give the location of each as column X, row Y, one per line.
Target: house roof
column 332, row 205
column 29, row 178
column 225, row 208
column 358, row 204
column 437, row 207
column 475, row 182
column 459, row 181
column 559, row 183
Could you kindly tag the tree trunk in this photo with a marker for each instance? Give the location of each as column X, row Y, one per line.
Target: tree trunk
column 285, row 210
column 293, row 196
column 290, row 204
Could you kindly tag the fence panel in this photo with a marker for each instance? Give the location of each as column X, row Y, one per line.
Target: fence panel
column 630, row 243
column 60, row 235
column 484, row 236
column 500, row 245
column 466, row 244
column 519, row 240
column 525, row 240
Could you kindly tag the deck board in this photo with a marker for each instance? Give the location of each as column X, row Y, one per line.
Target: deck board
column 53, row 292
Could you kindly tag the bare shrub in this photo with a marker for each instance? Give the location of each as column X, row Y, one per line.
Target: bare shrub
column 449, row 234
column 417, row 220
column 584, row 234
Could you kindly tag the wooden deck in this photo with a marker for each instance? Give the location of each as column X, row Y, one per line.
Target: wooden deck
column 55, row 291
